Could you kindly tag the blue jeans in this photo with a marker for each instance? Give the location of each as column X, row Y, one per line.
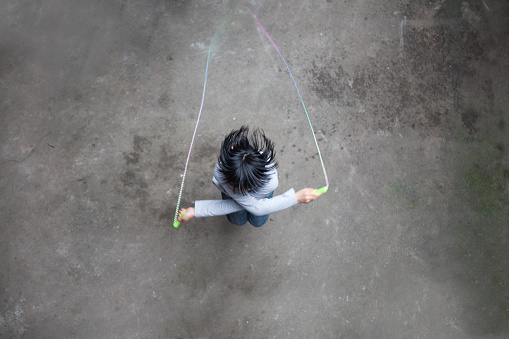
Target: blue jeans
column 241, row 217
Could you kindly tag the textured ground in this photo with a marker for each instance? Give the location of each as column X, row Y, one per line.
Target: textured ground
column 98, row 102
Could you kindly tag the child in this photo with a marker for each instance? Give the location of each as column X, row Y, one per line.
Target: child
column 246, row 175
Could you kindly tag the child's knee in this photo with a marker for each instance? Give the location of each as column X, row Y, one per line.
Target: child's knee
column 258, row 222
column 237, row 221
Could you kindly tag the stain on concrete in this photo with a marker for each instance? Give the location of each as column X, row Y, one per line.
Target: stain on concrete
column 469, row 118
column 140, row 144
column 132, row 158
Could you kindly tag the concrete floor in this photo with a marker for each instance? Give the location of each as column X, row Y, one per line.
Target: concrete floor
column 409, row 101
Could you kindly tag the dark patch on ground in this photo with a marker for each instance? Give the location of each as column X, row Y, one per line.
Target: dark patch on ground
column 132, row 158
column 328, row 80
column 469, row 119
column 410, row 92
column 133, row 184
column 140, row 143
column 165, row 101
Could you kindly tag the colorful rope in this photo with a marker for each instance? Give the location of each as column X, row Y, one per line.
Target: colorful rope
column 323, row 189
column 218, row 38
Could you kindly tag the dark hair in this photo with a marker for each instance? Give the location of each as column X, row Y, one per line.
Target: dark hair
column 244, row 159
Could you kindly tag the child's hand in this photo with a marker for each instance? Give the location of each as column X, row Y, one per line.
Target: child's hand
column 186, row 214
column 306, row 195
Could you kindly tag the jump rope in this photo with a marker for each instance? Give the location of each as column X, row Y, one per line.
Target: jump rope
column 219, row 37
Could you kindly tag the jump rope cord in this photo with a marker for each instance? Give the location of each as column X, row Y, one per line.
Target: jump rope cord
column 215, row 42
column 300, row 96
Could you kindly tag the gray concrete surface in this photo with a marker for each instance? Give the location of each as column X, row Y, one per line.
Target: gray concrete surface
column 409, row 99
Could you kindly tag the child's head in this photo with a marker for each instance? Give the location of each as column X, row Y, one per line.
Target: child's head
column 246, row 159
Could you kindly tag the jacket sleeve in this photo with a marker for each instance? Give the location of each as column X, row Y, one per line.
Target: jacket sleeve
column 208, row 208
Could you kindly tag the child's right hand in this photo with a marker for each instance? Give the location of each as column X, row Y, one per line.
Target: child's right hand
column 185, row 214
